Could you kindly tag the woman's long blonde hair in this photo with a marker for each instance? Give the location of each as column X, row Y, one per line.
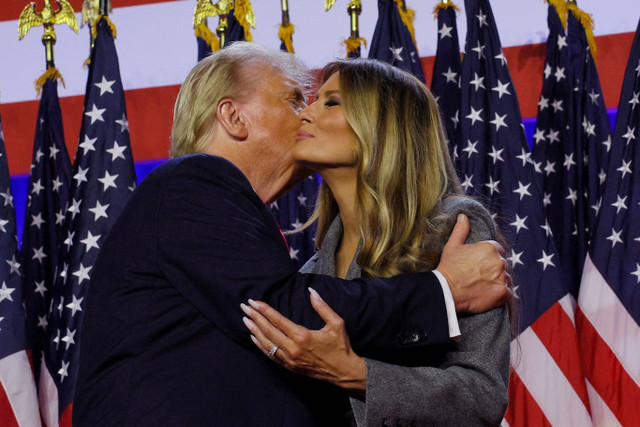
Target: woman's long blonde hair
column 404, row 168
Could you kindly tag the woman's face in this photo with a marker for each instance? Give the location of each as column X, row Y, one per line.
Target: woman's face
column 325, row 139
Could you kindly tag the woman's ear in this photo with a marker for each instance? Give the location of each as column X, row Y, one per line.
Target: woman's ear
column 229, row 115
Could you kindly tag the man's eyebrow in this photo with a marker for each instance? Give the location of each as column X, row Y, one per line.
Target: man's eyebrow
column 297, row 92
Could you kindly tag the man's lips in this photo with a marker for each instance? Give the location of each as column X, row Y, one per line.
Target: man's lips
column 303, row 135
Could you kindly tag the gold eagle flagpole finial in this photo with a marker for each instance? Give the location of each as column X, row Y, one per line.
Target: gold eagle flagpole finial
column 205, row 9
column 47, row 17
column 328, row 4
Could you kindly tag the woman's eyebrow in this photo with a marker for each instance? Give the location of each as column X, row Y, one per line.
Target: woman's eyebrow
column 327, row 93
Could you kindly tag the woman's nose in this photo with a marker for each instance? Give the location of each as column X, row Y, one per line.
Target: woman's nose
column 305, row 114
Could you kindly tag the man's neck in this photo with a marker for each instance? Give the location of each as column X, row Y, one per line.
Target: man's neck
column 268, row 183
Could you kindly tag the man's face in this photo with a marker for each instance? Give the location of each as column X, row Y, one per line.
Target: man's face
column 272, row 114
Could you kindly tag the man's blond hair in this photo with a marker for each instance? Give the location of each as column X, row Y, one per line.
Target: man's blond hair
column 224, row 74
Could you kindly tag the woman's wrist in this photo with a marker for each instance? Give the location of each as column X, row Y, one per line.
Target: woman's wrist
column 355, row 378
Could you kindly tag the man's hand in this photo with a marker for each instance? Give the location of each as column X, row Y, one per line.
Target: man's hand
column 476, row 273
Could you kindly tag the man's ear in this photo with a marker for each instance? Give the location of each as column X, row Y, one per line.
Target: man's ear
column 229, row 116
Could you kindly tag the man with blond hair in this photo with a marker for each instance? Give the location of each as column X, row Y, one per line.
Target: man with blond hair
column 163, row 341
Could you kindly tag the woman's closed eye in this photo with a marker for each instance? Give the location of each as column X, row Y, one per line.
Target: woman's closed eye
column 331, row 103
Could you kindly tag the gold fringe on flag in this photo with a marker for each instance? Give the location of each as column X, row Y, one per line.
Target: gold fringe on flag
column 207, row 35
column 94, row 27
column 285, row 33
column 445, row 4
column 243, row 12
column 407, row 15
column 51, row 73
column 587, row 22
column 354, row 44
column 561, row 7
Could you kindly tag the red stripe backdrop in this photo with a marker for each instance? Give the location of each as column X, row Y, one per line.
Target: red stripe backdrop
column 150, row 110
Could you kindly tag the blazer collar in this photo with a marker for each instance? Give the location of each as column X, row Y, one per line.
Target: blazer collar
column 327, row 254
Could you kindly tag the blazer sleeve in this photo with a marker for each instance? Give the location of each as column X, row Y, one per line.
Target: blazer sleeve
column 468, row 387
column 219, row 246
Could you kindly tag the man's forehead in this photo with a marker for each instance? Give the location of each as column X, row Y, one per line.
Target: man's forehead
column 292, row 86
column 278, row 83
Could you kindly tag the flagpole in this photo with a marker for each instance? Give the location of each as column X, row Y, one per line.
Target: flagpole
column 49, row 40
column 285, row 33
column 353, row 9
column 354, row 41
column 104, row 7
column 221, row 30
column 285, row 12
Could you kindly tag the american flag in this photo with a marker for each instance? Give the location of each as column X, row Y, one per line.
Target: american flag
column 588, row 115
column 392, row 41
column 608, row 315
column 204, row 49
column 447, row 69
column 294, row 209
column 18, row 399
column 102, row 181
column 44, row 219
column 572, row 137
column 235, row 32
column 546, row 384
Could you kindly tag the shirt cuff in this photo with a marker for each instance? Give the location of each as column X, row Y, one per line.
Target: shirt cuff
column 450, row 305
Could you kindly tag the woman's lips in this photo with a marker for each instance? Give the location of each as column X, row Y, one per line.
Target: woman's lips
column 303, row 135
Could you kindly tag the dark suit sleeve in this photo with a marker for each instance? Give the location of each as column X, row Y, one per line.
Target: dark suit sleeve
column 218, row 245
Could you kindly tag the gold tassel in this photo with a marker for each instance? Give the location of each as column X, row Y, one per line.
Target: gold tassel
column 51, row 73
column 285, row 33
column 209, row 38
column 561, row 7
column 353, row 44
column 587, row 22
column 243, row 12
column 87, row 62
column 442, row 5
column 407, row 15
column 94, row 27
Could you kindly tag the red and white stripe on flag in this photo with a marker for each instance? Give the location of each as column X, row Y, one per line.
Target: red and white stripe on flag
column 18, row 400
column 546, row 386
column 610, row 350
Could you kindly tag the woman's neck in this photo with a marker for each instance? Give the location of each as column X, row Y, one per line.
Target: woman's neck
column 344, row 192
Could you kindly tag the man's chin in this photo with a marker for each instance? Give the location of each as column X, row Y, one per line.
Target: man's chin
column 299, row 174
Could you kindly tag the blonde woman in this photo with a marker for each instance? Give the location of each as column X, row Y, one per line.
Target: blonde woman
column 388, row 202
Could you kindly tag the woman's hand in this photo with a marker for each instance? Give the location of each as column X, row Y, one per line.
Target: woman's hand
column 325, row 354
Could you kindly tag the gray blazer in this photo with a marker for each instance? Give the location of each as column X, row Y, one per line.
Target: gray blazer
column 468, row 384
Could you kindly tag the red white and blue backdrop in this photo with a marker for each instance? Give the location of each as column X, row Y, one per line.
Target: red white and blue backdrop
column 577, row 354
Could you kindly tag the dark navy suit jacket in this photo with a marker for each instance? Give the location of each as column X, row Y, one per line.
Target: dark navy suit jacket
column 163, row 342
